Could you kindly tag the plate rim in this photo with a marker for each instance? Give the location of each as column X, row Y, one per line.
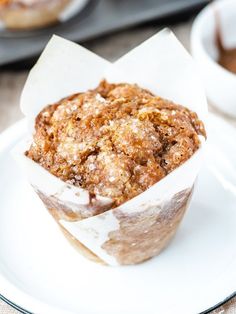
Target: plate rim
column 214, row 307
column 10, row 132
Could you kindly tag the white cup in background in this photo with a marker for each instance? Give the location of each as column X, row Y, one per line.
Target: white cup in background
column 220, row 84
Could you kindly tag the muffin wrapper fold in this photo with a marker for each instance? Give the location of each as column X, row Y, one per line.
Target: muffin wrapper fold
column 141, row 227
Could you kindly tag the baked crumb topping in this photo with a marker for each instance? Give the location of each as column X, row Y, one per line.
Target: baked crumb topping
column 116, row 140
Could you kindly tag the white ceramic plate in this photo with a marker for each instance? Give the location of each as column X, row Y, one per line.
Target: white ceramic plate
column 42, row 273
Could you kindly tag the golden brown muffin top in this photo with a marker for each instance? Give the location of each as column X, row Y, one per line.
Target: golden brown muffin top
column 116, row 140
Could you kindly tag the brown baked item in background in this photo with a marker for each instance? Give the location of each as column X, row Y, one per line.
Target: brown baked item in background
column 115, row 141
column 30, row 14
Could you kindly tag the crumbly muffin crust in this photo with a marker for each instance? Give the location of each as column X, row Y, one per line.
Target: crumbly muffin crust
column 116, row 140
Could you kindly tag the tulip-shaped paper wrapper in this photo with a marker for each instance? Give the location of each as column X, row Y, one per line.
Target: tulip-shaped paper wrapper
column 141, row 227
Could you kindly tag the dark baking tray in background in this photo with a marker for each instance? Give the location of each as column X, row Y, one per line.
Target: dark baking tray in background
column 99, row 17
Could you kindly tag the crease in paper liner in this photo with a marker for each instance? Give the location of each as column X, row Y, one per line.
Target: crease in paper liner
column 161, row 65
column 64, row 68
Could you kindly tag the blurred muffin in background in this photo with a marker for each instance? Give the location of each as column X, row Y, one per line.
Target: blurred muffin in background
column 30, row 14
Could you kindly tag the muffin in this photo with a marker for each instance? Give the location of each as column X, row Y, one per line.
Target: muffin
column 30, row 14
column 116, row 142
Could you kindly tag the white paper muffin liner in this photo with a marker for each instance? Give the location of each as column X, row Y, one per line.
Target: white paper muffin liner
column 141, row 227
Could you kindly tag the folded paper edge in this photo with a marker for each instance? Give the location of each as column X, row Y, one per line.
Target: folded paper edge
column 18, row 153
